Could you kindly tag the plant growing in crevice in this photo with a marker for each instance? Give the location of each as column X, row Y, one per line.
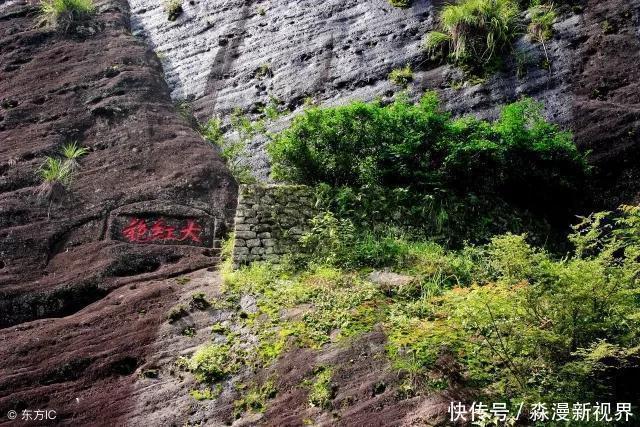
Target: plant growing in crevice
column 233, row 152
column 63, row 13
column 403, row 4
column 174, row 9
column 211, row 363
column 401, row 76
column 255, row 398
column 321, row 390
column 264, row 71
column 55, row 173
column 473, row 32
column 541, row 26
column 71, row 153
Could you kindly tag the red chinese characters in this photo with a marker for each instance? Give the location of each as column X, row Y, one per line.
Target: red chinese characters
column 139, row 231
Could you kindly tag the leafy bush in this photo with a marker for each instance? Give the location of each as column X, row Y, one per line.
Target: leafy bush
column 414, row 162
column 519, row 323
column 537, row 328
column 401, row 76
column 63, row 13
column 475, row 31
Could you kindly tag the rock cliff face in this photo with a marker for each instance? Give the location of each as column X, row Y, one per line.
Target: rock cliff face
column 238, row 54
column 103, row 88
column 86, row 281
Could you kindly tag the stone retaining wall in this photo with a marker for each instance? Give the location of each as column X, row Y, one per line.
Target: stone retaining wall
column 270, row 220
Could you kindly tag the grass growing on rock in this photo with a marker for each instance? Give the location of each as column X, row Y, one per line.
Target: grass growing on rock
column 474, row 32
column 320, row 389
column 401, row 76
column 62, row 13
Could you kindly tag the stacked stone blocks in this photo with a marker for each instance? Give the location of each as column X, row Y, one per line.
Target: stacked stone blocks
column 269, row 221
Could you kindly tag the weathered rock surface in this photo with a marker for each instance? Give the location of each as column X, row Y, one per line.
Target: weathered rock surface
column 339, row 50
column 149, row 201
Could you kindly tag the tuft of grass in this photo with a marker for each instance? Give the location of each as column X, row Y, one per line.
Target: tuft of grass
column 72, row 152
column 62, row 13
column 173, row 9
column 543, row 17
column 541, row 27
column 55, row 175
column 474, row 31
column 401, row 76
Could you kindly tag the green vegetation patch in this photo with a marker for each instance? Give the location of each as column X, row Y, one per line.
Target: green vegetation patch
column 401, row 76
column 522, row 323
column 321, row 390
column 62, row 13
column 403, row 4
column 475, row 32
column 413, row 164
column 212, row 363
column 255, row 398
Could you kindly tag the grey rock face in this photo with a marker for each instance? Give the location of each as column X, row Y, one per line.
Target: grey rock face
column 222, row 55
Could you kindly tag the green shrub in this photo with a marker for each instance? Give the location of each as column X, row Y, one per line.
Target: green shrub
column 532, row 327
column 401, row 76
column 233, row 152
column 415, row 163
column 63, row 13
column 475, row 31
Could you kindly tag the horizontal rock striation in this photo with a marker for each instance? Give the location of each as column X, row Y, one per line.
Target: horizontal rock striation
column 222, row 55
column 147, row 202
